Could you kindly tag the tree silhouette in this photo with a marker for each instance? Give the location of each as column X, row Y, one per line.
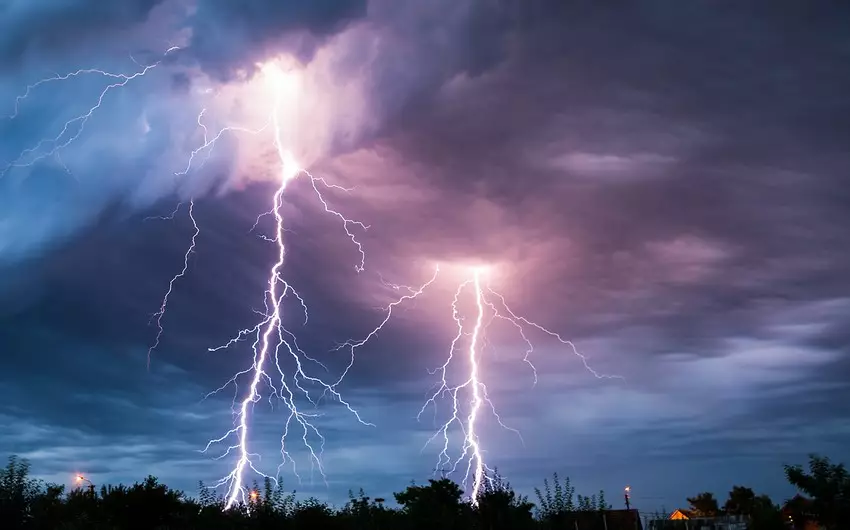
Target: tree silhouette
column 18, row 493
column 828, row 486
column 48, row 508
column 560, row 507
column 741, row 501
column 363, row 512
column 704, row 504
column 593, row 503
column 437, row 505
column 555, row 499
column 313, row 513
column 499, row 507
column 765, row 515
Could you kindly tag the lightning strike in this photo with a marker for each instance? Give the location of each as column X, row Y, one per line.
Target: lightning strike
column 272, row 341
column 74, row 127
column 468, row 398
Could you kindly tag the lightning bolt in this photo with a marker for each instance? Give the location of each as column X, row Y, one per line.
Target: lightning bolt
column 273, row 343
column 157, row 317
column 471, row 396
column 468, row 398
column 74, row 127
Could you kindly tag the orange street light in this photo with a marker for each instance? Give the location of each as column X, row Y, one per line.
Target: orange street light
column 81, row 478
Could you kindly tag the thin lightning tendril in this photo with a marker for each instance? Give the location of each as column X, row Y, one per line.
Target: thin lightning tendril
column 73, row 129
column 157, row 317
column 206, row 147
column 29, row 156
column 353, row 345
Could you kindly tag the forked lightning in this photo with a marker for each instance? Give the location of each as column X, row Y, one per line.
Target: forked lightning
column 467, row 398
column 272, row 341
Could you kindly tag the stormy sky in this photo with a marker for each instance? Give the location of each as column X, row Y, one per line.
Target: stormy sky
column 664, row 183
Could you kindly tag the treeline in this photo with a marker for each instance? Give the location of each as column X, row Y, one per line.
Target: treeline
column 824, row 502
column 28, row 503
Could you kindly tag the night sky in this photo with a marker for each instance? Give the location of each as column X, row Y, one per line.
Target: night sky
column 663, row 183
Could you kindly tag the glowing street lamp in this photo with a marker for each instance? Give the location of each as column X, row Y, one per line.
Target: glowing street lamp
column 627, row 495
column 81, row 478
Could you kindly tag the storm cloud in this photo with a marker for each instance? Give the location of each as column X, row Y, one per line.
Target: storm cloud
column 662, row 183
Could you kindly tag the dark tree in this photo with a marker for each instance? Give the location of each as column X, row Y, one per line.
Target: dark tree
column 556, row 498
column 313, row 513
column 363, row 512
column 147, row 504
column 601, row 503
column 741, row 501
column 48, row 508
column 560, row 507
column 499, row 507
column 593, row 503
column 704, row 504
column 18, row 493
column 437, row 505
column 828, row 486
column 799, row 511
column 765, row 515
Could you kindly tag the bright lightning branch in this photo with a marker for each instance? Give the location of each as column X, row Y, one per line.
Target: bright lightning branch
column 470, row 397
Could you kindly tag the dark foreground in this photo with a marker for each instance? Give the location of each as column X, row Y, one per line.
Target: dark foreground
column 27, row 503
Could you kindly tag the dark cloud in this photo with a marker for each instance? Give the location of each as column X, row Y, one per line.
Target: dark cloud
column 228, row 36
column 661, row 183
column 32, row 30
